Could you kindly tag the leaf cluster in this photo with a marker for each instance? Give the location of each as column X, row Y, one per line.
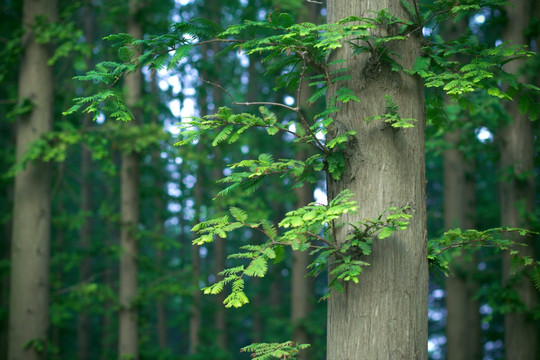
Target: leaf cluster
column 308, row 228
column 266, row 351
column 498, row 238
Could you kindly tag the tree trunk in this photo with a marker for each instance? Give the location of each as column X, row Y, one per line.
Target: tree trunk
column 517, row 197
column 195, row 319
column 301, row 289
column 85, row 268
column 463, row 331
column 220, row 254
column 384, row 316
column 30, row 246
column 128, row 345
column 85, row 232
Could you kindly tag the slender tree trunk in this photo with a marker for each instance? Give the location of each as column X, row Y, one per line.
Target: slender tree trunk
column 220, row 254
column 85, row 232
column 128, row 344
column 517, row 197
column 384, row 316
column 301, row 289
column 463, row 331
column 4, row 280
column 30, row 246
column 85, row 268
column 161, row 308
column 195, row 319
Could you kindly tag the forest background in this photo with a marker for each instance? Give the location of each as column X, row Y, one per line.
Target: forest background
column 109, row 206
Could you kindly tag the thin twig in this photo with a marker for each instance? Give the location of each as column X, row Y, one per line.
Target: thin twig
column 91, row 278
column 319, row 145
column 321, row 239
column 418, row 18
column 8, row 101
column 248, row 103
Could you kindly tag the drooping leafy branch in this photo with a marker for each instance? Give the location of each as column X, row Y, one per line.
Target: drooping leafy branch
column 266, row 351
column 308, row 228
column 499, row 238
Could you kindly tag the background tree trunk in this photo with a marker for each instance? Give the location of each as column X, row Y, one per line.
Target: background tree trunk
column 383, row 316
column 128, row 344
column 517, row 197
column 463, row 331
column 195, row 318
column 85, row 232
column 301, row 289
column 301, row 286
column 30, row 246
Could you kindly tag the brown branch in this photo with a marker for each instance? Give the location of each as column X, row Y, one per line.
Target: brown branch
column 249, row 103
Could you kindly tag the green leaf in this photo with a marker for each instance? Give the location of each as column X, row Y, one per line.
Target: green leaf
column 238, row 214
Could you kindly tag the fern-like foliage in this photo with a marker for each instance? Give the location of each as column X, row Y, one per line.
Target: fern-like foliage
column 392, row 115
column 498, row 238
column 309, row 228
column 267, row 351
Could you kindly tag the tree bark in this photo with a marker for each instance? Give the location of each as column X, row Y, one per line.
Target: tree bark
column 463, row 331
column 30, row 247
column 517, row 197
column 128, row 345
column 384, row 316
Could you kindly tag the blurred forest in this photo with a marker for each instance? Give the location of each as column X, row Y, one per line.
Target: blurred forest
column 108, row 206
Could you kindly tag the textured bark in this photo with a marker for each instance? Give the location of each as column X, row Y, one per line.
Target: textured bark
column 516, row 195
column 128, row 344
column 463, row 331
column 384, row 316
column 30, row 246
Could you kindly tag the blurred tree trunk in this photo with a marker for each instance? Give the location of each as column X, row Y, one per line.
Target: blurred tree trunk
column 128, row 345
column 301, row 286
column 161, row 308
column 85, row 240
column 220, row 254
column 195, row 319
column 517, row 197
column 159, row 206
column 4, row 280
column 301, row 289
column 30, row 245
column 383, row 316
column 85, row 231
column 463, row 331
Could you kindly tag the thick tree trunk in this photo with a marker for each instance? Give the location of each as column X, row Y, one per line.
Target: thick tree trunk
column 30, row 246
column 517, row 197
column 463, row 331
column 384, row 316
column 128, row 344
